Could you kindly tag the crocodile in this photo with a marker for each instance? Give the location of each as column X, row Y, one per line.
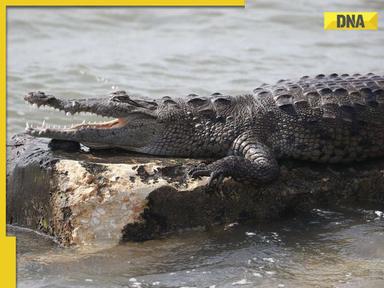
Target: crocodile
column 329, row 118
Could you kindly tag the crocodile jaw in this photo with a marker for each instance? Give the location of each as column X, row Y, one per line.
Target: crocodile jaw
column 132, row 132
column 45, row 130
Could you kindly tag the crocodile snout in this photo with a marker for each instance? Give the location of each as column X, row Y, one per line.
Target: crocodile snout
column 38, row 98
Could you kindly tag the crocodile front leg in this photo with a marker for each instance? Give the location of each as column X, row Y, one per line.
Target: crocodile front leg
column 252, row 162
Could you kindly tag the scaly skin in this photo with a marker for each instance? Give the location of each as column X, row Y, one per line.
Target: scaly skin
column 323, row 119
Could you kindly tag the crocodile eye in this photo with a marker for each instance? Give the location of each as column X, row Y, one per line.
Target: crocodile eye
column 120, row 99
column 120, row 96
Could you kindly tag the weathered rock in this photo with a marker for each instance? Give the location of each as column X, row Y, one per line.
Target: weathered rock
column 108, row 196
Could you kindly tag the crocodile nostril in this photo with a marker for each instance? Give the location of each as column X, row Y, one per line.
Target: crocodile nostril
column 37, row 95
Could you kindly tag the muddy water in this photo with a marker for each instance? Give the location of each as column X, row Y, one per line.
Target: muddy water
column 324, row 249
column 156, row 52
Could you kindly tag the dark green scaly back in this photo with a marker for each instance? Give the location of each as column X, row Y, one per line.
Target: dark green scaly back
column 340, row 97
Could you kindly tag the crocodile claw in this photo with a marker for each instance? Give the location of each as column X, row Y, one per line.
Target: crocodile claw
column 199, row 171
column 216, row 176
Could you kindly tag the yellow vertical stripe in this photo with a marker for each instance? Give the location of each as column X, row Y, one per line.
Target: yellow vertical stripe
column 7, row 244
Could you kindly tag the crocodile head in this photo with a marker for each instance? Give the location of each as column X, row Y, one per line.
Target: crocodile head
column 134, row 127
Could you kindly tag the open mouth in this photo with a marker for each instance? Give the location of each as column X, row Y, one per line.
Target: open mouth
column 116, row 123
column 71, row 107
